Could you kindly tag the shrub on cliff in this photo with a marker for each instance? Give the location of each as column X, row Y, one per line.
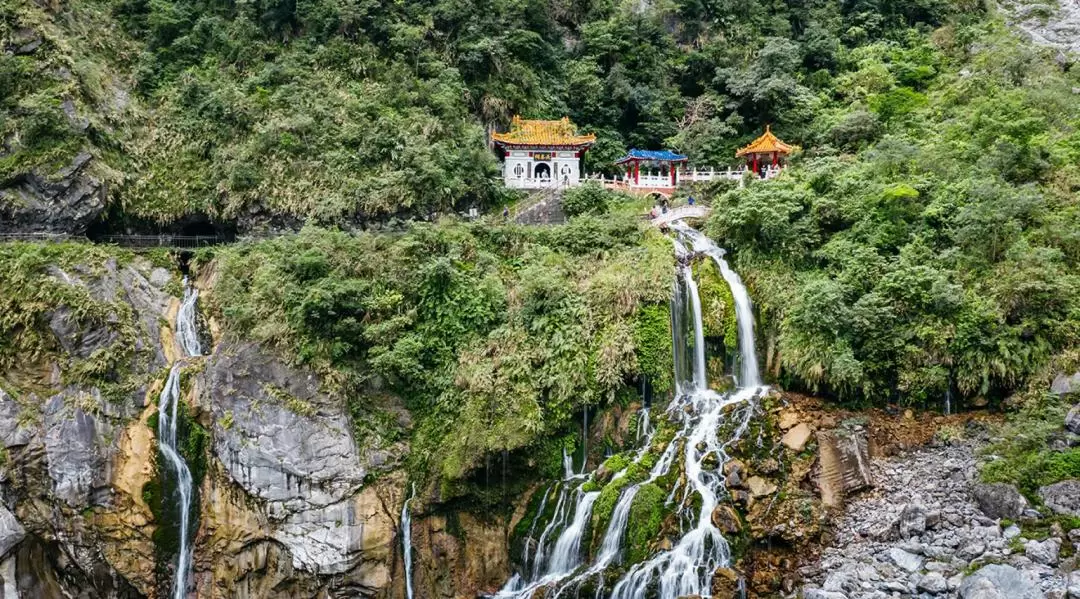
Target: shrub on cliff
column 940, row 258
column 494, row 335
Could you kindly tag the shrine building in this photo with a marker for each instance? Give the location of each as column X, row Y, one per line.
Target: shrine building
column 766, row 154
column 541, row 154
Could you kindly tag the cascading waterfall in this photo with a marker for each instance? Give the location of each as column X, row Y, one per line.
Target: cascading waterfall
column 406, row 542
column 688, row 567
column 749, row 376
column 188, row 339
column 584, row 440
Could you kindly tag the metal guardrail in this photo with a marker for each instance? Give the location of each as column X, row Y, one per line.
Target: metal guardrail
column 180, row 242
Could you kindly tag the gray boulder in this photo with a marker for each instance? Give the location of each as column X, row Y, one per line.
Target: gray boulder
column 1064, row 385
column 1062, row 497
column 1043, row 552
column 933, row 583
column 1072, row 420
column 1000, row 500
column 820, row 594
column 1073, row 585
column 903, row 559
column 998, row 581
column 912, row 521
column 11, row 532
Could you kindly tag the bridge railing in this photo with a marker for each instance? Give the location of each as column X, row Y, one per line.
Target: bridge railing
column 182, row 242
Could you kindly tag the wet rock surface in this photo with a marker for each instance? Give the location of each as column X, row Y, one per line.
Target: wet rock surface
column 922, row 532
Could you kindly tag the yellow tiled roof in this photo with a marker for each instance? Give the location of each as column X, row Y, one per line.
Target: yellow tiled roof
column 542, row 133
column 766, row 144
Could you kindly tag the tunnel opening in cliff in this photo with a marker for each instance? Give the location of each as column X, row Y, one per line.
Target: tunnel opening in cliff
column 115, row 222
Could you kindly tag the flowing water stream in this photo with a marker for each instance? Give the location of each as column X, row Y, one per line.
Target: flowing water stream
column 188, row 338
column 406, row 541
column 686, row 568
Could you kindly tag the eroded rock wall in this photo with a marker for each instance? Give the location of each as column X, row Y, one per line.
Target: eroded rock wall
column 293, row 501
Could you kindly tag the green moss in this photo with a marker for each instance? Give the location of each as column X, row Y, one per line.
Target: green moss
column 647, row 514
column 652, row 345
column 294, row 404
column 605, row 506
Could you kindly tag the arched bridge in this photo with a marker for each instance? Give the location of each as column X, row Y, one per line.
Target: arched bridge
column 696, row 211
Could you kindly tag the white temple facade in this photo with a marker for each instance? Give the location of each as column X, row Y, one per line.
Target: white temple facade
column 542, row 154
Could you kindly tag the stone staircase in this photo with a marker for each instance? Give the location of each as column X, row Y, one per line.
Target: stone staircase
column 544, row 207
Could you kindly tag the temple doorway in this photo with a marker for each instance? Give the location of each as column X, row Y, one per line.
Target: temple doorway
column 542, row 171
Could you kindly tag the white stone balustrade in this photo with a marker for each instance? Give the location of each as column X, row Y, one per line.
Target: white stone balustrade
column 654, row 179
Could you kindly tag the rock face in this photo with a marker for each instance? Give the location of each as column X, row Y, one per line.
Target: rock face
column 998, row 582
column 278, row 437
column 1054, row 25
column 468, row 558
column 1000, row 500
column 290, row 447
column 845, row 464
column 920, row 530
column 65, row 202
column 1072, row 420
column 1062, row 497
column 77, row 524
column 1065, row 384
column 11, row 532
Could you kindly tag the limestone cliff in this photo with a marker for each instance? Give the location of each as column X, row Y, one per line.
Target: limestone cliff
column 292, row 500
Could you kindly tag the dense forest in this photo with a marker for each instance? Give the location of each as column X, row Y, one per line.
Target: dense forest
column 925, row 243
column 337, row 110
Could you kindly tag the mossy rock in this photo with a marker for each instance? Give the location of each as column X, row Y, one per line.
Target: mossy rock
column 647, row 514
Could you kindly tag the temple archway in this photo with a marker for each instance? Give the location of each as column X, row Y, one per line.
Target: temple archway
column 542, row 171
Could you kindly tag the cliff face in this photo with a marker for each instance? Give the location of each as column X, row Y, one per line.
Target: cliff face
column 292, row 502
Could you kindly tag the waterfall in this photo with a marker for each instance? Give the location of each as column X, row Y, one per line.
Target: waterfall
column 568, row 465
column 532, row 528
column 749, row 376
column 187, row 331
column 406, row 541
column 567, row 553
column 584, row 439
column 687, row 568
column 168, row 402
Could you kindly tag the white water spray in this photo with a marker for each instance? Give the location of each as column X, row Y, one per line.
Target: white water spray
column 406, row 542
column 168, row 402
column 687, row 568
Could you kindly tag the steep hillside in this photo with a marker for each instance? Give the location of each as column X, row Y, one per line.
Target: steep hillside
column 274, row 113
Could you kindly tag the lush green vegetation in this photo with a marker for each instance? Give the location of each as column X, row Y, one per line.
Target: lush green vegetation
column 334, row 110
column 929, row 241
column 1031, row 449
column 37, row 304
column 494, row 335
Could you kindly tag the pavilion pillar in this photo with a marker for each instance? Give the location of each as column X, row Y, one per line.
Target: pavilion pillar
column 775, row 159
column 756, row 171
column 674, row 168
column 637, row 172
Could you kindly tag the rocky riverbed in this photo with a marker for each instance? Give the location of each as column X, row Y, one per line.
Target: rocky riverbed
column 930, row 529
